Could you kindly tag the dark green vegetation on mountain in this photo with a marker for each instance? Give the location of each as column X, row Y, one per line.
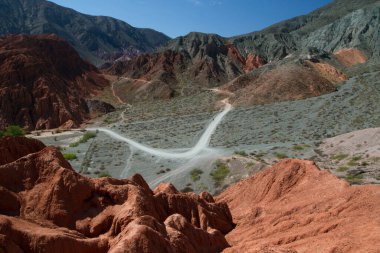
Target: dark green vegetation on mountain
column 97, row 39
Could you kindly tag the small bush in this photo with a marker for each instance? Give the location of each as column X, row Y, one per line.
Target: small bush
column 241, row 153
column 354, row 179
column 298, row 148
column 220, row 173
column 339, row 157
column 342, row 169
column 14, row 131
column 87, row 136
column 70, row 156
column 104, row 174
column 1, row 134
column 281, row 156
column 84, row 139
column 196, row 174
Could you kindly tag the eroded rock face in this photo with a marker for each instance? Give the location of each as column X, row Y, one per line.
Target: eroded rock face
column 44, row 82
column 295, row 207
column 52, row 208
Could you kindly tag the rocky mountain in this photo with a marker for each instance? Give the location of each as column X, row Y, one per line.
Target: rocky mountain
column 292, row 207
column 319, row 46
column 44, row 83
column 186, row 65
column 98, row 39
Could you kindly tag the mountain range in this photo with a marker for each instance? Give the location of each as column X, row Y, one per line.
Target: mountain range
column 98, row 39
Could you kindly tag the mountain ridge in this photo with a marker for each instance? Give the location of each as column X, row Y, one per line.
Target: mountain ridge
column 98, row 39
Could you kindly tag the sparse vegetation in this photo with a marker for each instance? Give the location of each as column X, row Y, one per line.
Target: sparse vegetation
column 196, row 174
column 104, row 174
column 342, row 169
column 70, row 156
column 354, row 161
column 281, row 156
column 298, row 148
column 84, row 139
column 219, row 173
column 354, row 179
column 339, row 157
column 241, row 153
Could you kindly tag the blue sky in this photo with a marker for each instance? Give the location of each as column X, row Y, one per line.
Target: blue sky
column 179, row 17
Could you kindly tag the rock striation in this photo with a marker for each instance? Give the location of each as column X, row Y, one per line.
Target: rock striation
column 44, row 82
column 46, row 206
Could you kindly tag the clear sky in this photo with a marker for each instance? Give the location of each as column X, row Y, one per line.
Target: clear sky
column 179, row 17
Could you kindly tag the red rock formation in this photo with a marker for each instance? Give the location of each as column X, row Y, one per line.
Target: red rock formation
column 43, row 82
column 247, row 64
column 350, row 56
column 253, row 62
column 13, row 148
column 295, row 207
column 46, row 206
column 287, row 82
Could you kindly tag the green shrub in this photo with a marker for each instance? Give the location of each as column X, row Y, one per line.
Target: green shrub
column 87, row 136
column 84, row 139
column 14, row 131
column 196, row 174
column 298, row 147
column 241, row 153
column 104, row 174
column 354, row 179
column 70, row 156
column 1, row 134
column 339, row 157
column 220, row 173
column 281, row 156
column 342, row 169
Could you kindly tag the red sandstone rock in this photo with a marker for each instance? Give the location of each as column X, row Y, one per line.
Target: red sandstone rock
column 46, row 206
column 13, row 148
column 295, row 207
column 43, row 82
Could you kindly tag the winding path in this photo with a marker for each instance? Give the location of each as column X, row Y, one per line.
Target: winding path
column 202, row 143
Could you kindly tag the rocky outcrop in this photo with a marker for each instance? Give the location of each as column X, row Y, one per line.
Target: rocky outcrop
column 295, row 207
column 49, row 207
column 291, row 207
column 290, row 81
column 98, row 39
column 44, row 82
column 13, row 148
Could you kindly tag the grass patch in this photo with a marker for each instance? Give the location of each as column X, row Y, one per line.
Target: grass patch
column 70, row 156
column 219, row 173
column 87, row 136
column 339, row 157
column 298, row 148
column 354, row 179
column 196, row 174
column 281, row 155
column 354, row 161
column 104, row 174
column 342, row 169
column 249, row 165
column 241, row 153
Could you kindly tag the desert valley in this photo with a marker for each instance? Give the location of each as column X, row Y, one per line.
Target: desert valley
column 121, row 139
